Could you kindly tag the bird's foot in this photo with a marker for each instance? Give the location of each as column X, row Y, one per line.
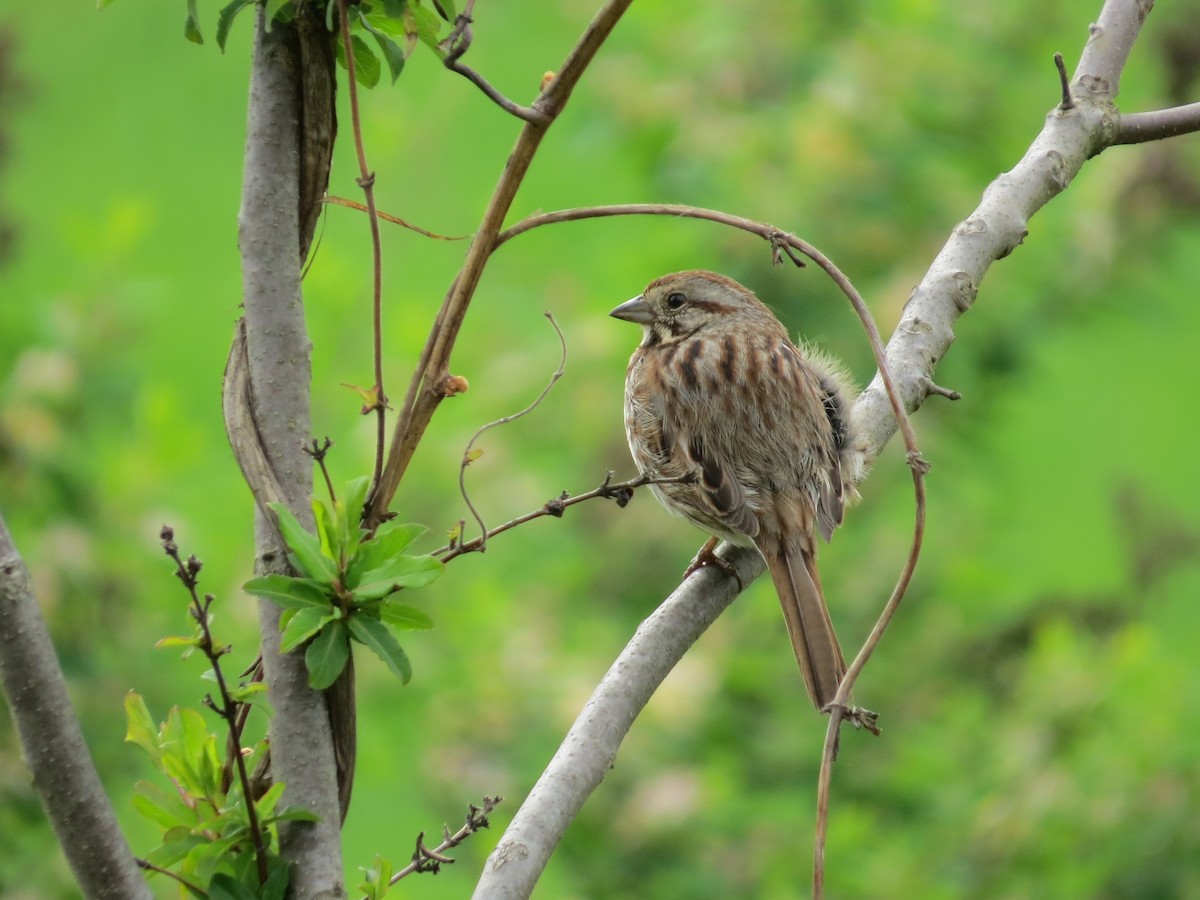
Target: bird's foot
column 706, row 556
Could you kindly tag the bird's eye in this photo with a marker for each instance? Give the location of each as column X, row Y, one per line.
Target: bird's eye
column 675, row 300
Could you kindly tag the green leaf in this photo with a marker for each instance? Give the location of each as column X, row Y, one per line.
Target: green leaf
column 226, row 887
column 401, row 572
column 293, row 814
column 366, row 64
column 276, row 885
column 383, row 644
column 404, row 617
column 140, row 728
column 190, row 753
column 306, row 549
column 290, row 593
column 375, row 879
column 225, row 20
column 348, row 510
column 175, row 641
column 446, row 9
column 256, row 693
column 265, row 805
column 163, row 807
column 327, row 529
column 303, row 625
column 327, row 654
column 272, row 11
column 390, row 541
column 426, row 24
column 393, row 54
column 191, row 25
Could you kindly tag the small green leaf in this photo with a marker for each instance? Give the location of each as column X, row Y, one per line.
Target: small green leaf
column 383, row 644
column 366, row 64
column 327, row 530
column 401, row 572
column 175, row 641
column 290, row 593
column 276, row 885
column 190, row 753
column 225, row 20
column 446, row 9
column 404, row 617
column 305, row 547
column 272, row 11
column 226, row 887
column 140, row 728
column 163, row 807
column 294, row 814
column 265, row 805
column 303, row 625
column 191, row 25
column 327, row 654
column 390, row 541
column 375, row 879
column 393, row 55
column 426, row 25
column 349, row 509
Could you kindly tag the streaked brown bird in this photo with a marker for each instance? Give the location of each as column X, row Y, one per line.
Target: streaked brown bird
column 717, row 390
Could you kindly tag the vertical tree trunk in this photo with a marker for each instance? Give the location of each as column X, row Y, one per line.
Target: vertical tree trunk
column 288, row 142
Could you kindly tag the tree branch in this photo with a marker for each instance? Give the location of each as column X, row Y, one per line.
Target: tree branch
column 1138, row 128
column 427, row 388
column 52, row 744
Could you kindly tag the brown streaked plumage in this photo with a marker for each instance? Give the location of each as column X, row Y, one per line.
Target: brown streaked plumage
column 717, row 388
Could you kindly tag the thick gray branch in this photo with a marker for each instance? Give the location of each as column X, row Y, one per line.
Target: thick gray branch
column 278, row 353
column 52, row 744
column 590, row 747
column 996, row 227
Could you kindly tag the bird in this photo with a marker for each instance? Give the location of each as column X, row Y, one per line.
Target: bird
column 755, row 433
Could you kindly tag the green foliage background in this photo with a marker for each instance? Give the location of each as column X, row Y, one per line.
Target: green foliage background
column 1039, row 691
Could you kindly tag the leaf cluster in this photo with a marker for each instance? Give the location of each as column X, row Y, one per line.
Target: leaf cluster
column 347, row 586
column 206, row 825
column 396, row 26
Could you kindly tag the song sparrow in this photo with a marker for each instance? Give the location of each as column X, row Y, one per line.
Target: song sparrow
column 717, row 390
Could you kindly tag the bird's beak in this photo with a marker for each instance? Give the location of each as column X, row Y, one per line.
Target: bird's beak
column 635, row 310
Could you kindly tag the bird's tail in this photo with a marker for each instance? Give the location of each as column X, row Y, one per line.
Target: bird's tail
column 809, row 626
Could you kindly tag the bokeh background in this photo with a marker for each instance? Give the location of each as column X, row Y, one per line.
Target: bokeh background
column 1039, row 690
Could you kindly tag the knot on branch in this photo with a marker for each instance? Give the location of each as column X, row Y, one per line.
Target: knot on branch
column 558, row 505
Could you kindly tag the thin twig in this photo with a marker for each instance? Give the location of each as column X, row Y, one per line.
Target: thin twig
column 318, row 451
column 194, row 889
column 395, row 220
column 1065, row 82
column 188, row 573
column 456, row 44
column 366, row 181
column 427, row 860
column 621, row 492
column 504, row 420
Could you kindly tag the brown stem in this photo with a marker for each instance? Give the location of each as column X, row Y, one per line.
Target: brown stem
column 426, row 390
column 366, row 181
column 188, row 572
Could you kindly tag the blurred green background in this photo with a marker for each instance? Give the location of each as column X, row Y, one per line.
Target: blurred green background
column 1039, row 690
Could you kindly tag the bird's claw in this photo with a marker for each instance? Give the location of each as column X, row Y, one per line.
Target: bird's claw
column 706, row 556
